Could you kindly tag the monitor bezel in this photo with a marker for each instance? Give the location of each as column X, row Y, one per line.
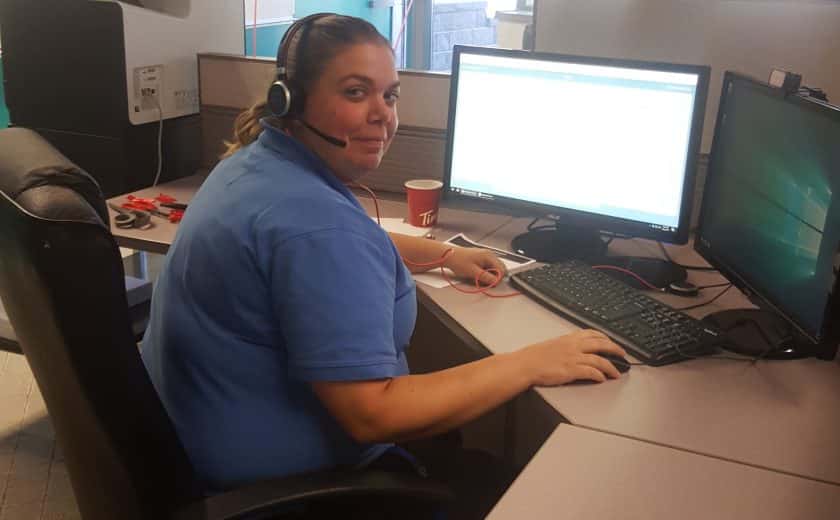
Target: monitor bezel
column 738, row 279
column 577, row 219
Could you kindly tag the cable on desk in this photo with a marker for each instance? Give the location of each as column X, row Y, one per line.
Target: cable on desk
column 698, row 305
column 713, row 286
column 631, row 273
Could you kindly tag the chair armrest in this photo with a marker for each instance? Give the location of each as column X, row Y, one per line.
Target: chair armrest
column 278, row 495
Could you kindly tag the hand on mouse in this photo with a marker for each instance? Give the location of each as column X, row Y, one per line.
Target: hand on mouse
column 469, row 262
column 571, row 357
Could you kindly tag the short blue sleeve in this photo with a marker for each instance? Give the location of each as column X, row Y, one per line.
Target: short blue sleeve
column 333, row 295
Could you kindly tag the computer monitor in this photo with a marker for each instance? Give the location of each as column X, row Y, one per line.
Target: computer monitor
column 770, row 218
column 603, row 147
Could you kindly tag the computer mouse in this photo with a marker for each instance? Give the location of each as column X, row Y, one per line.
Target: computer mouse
column 621, row 364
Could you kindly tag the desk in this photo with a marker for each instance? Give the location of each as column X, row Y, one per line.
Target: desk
column 778, row 415
column 776, row 422
column 581, row 474
column 160, row 236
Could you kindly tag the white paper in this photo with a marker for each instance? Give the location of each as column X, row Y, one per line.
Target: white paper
column 512, row 261
column 398, row 225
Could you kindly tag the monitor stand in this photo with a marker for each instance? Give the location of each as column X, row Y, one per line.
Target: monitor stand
column 556, row 245
column 759, row 333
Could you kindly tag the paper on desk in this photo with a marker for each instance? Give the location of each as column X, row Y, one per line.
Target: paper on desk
column 512, row 262
column 398, row 225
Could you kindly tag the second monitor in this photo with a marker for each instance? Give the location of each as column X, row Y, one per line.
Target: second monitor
column 602, row 147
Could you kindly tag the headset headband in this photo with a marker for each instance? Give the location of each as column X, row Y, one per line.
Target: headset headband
column 288, row 40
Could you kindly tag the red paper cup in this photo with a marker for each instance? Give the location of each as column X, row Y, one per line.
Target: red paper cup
column 423, row 201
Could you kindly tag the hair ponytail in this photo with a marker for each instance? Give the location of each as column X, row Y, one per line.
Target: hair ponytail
column 246, row 128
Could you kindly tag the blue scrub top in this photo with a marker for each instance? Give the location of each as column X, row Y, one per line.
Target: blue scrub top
column 277, row 277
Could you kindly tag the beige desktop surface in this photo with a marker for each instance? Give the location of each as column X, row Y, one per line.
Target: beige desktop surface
column 160, row 236
column 780, row 415
column 580, row 474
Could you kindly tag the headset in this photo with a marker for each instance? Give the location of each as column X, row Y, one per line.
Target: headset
column 285, row 97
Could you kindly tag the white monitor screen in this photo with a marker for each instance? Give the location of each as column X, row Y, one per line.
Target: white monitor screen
column 604, row 139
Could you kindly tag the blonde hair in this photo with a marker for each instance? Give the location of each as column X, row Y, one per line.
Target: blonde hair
column 326, row 38
column 246, row 128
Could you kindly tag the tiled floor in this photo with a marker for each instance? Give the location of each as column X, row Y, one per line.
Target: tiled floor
column 33, row 478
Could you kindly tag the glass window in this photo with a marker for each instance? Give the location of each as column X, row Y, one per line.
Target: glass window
column 423, row 32
column 266, row 21
column 435, row 26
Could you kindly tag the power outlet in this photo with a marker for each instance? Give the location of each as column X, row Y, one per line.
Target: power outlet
column 148, row 82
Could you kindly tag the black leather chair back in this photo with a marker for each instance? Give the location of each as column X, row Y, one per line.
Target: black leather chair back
column 62, row 284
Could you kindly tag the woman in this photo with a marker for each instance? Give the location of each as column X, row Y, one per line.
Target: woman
column 280, row 319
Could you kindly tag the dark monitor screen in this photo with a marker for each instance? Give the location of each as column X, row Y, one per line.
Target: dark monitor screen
column 770, row 217
column 608, row 145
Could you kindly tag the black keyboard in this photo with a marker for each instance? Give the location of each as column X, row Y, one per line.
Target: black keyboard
column 652, row 331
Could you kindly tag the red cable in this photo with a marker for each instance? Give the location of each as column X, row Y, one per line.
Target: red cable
column 631, row 273
column 479, row 289
column 373, row 196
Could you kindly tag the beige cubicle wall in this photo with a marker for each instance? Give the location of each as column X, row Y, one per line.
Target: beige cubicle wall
column 230, row 84
column 749, row 36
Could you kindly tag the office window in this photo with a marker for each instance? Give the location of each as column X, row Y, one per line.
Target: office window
column 435, row 26
column 423, row 37
column 266, row 21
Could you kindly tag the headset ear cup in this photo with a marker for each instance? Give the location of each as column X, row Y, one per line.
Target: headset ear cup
column 280, row 98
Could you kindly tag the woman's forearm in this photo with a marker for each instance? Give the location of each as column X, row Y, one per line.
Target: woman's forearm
column 415, row 406
column 417, row 250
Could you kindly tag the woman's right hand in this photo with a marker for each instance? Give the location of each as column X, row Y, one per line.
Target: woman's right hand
column 571, row 357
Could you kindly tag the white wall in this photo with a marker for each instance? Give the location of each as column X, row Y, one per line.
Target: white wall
column 750, row 36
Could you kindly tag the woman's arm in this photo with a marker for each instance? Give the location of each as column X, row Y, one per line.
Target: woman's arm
column 414, row 406
column 465, row 262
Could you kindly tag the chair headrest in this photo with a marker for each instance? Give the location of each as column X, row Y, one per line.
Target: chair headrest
column 45, row 183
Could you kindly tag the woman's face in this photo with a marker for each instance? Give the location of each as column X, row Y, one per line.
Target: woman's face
column 355, row 101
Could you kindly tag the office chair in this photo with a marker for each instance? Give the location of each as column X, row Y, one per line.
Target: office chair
column 61, row 280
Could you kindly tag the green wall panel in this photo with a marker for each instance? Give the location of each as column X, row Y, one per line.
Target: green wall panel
column 269, row 36
column 4, row 113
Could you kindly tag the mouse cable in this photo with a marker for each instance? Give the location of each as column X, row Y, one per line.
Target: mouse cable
column 479, row 288
column 686, row 267
column 714, row 298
